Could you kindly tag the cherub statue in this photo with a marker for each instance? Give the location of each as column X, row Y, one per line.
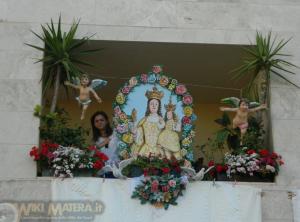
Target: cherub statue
column 242, row 107
column 85, row 88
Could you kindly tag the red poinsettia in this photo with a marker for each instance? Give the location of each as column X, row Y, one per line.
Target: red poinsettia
column 34, row 152
column 264, row 152
column 250, row 152
column 100, row 155
column 221, row 168
column 98, row 164
column 165, row 170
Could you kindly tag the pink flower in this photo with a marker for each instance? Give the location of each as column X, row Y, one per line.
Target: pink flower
column 126, row 90
column 144, row 78
column 117, row 110
column 154, row 186
column 180, row 89
column 187, row 99
column 172, row 183
column 156, row 69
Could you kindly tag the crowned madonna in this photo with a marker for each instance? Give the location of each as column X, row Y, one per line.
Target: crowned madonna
column 150, row 132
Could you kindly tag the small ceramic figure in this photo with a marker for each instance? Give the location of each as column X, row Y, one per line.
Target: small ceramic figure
column 85, row 88
column 242, row 107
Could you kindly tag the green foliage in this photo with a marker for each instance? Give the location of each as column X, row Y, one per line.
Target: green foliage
column 254, row 138
column 266, row 55
column 54, row 127
column 230, row 138
column 61, row 54
column 152, row 166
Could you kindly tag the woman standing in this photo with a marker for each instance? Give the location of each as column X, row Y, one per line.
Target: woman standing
column 103, row 136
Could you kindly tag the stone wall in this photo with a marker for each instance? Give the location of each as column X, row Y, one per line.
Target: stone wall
column 189, row 21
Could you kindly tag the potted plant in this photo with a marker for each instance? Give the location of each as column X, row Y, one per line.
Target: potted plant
column 61, row 56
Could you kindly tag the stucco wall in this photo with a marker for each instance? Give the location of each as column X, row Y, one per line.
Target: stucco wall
column 193, row 21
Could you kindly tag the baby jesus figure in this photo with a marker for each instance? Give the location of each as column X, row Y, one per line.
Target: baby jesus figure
column 242, row 110
column 85, row 88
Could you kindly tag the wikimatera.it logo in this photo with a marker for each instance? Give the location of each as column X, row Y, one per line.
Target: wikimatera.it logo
column 19, row 211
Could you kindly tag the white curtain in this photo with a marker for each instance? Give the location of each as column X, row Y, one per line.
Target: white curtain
column 296, row 206
column 202, row 201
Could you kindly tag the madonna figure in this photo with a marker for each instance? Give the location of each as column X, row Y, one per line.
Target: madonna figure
column 148, row 129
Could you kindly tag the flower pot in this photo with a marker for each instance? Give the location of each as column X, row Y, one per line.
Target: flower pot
column 83, row 173
column 255, row 178
column 222, row 177
column 136, row 171
column 47, row 173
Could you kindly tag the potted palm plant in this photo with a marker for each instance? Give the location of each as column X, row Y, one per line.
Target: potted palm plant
column 61, row 58
column 265, row 59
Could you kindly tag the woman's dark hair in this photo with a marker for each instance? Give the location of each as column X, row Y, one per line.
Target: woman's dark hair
column 96, row 132
column 148, row 109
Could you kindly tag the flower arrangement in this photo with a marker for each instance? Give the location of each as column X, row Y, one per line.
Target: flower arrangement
column 65, row 160
column 160, row 191
column 250, row 162
column 44, row 154
column 154, row 166
column 122, row 120
column 242, row 164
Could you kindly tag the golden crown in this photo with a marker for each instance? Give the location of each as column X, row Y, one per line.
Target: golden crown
column 170, row 106
column 154, row 94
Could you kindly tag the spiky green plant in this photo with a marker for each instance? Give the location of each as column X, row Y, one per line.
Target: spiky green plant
column 61, row 56
column 265, row 58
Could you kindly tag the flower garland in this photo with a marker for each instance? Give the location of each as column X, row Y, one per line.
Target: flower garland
column 122, row 121
column 160, row 191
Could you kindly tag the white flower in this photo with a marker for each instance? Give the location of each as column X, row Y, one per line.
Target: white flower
column 270, row 168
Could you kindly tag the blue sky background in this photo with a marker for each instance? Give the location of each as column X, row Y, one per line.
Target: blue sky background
column 138, row 100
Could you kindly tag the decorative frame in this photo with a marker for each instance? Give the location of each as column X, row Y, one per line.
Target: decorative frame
column 122, row 121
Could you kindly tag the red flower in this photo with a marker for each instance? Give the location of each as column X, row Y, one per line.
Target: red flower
column 264, row 152
column 211, row 163
column 250, row 152
column 44, row 150
column 34, row 152
column 177, row 169
column 281, row 162
column 165, row 170
column 101, row 155
column 220, row 168
column 274, row 155
column 154, row 186
column 91, row 148
column 53, row 145
column 186, row 120
column 146, row 172
column 98, row 165
column 165, row 188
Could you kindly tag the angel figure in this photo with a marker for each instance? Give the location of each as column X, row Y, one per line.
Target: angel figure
column 85, row 88
column 242, row 107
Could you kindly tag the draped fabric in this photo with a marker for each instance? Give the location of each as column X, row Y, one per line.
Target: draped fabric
column 296, row 206
column 202, row 201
